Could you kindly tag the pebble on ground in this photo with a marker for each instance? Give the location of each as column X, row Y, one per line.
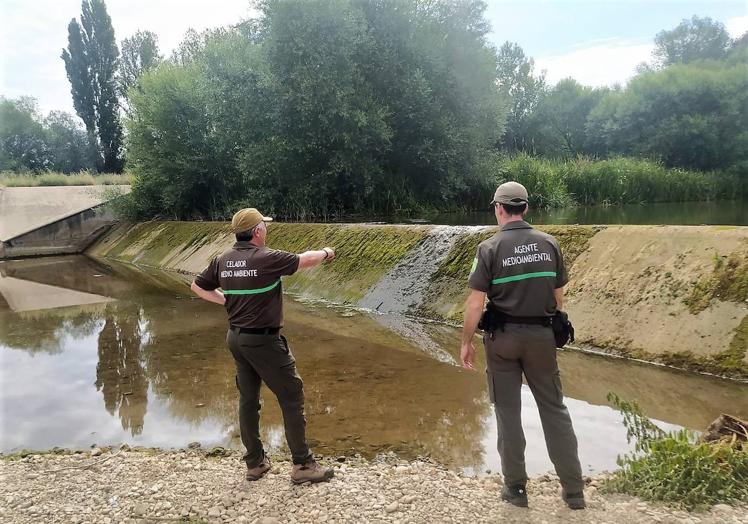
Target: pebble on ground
column 107, row 486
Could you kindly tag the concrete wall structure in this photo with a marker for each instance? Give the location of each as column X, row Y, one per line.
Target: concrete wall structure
column 37, row 221
column 670, row 294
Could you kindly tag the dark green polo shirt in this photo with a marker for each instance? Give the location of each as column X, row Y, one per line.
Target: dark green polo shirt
column 519, row 268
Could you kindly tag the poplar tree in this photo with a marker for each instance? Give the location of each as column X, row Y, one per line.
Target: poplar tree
column 139, row 54
column 91, row 61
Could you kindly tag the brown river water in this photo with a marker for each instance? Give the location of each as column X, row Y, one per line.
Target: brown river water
column 100, row 353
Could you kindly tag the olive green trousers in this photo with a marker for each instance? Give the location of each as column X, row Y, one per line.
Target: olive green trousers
column 530, row 350
column 267, row 358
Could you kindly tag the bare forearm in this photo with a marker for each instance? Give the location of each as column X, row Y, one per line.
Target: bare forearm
column 214, row 295
column 309, row 259
column 559, row 294
column 472, row 317
column 473, row 311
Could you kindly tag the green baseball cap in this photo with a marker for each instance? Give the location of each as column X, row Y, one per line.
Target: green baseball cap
column 512, row 193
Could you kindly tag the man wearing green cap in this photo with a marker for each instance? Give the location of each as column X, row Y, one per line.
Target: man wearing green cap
column 249, row 277
column 522, row 273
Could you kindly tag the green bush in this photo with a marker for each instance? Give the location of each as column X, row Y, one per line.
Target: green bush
column 675, row 468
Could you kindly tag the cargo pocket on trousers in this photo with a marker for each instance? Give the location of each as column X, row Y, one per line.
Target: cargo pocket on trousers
column 557, row 384
column 284, row 345
column 491, row 386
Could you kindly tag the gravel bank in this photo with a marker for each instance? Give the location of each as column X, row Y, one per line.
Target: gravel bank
column 102, row 486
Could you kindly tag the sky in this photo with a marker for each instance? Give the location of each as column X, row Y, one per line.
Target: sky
column 597, row 42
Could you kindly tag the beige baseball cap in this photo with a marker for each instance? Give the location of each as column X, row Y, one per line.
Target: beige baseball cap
column 512, row 193
column 246, row 219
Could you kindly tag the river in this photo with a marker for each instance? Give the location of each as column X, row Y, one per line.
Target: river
column 95, row 352
column 733, row 213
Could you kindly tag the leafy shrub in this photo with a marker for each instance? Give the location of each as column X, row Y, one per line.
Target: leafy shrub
column 675, row 468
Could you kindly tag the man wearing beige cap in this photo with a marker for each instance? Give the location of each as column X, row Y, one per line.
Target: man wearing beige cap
column 522, row 273
column 249, row 277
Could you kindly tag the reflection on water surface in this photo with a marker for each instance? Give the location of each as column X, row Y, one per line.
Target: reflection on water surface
column 146, row 364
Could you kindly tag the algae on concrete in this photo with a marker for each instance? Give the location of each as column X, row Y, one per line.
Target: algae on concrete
column 150, row 243
column 728, row 282
column 364, row 253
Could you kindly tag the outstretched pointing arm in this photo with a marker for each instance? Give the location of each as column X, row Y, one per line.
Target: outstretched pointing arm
column 309, row 259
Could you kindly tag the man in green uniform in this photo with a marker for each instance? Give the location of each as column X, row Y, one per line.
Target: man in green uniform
column 249, row 277
column 522, row 273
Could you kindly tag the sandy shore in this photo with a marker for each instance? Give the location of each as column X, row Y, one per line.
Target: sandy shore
column 104, row 486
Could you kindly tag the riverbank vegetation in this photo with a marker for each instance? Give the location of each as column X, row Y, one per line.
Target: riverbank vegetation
column 677, row 467
column 618, row 180
column 325, row 108
column 328, row 123
column 51, row 178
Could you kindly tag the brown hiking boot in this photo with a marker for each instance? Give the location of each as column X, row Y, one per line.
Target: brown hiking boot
column 257, row 472
column 310, row 472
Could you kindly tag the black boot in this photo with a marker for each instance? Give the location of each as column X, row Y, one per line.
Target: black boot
column 515, row 495
column 574, row 500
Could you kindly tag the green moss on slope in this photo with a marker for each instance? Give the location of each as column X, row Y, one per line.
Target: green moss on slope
column 150, row 243
column 365, row 253
column 728, row 283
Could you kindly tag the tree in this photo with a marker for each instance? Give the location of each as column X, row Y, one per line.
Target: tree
column 563, row 114
column 139, row 54
column 67, row 143
column 91, row 62
column 170, row 154
column 22, row 139
column 82, row 86
column 688, row 115
column 321, row 107
column 29, row 142
column 695, row 39
column 523, row 92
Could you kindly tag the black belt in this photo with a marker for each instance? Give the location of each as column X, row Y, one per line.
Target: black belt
column 539, row 321
column 256, row 331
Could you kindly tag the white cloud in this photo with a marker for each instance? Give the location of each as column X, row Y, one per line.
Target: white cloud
column 33, row 35
column 597, row 64
column 609, row 61
column 737, row 26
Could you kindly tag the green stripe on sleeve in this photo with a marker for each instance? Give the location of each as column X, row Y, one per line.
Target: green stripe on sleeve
column 251, row 291
column 474, row 266
column 523, row 276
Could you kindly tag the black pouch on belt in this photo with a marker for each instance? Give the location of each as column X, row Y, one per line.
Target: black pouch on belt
column 489, row 320
column 563, row 330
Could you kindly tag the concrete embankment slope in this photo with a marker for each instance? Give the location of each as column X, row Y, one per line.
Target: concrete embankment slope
column 670, row 294
column 53, row 220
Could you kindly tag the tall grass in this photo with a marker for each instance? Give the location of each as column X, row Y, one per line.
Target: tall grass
column 633, row 181
column 558, row 183
column 543, row 179
column 84, row 178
